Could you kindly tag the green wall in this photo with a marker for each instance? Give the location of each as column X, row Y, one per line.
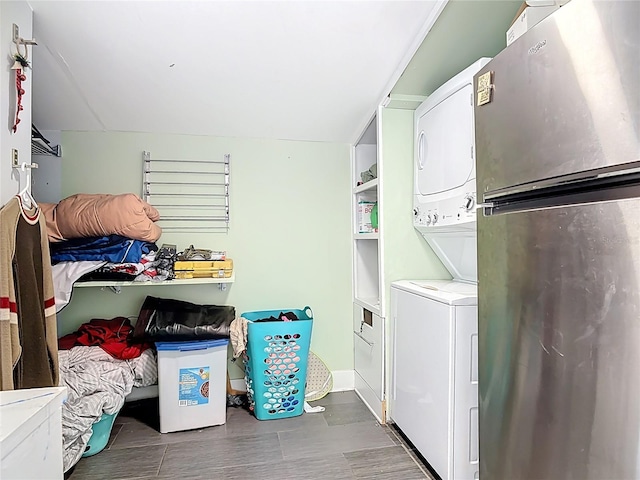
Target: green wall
column 464, row 32
column 289, row 234
column 407, row 253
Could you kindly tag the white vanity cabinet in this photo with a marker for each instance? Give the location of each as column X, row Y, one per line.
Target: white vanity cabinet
column 31, row 433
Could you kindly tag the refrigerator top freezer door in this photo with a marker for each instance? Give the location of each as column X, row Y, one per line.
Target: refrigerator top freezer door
column 565, row 98
column 448, row 292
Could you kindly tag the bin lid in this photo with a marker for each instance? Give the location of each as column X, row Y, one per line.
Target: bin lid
column 192, row 345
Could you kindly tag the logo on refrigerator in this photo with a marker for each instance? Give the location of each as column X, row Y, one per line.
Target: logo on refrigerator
column 537, row 47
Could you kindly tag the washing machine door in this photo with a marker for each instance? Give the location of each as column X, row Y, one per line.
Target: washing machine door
column 444, row 143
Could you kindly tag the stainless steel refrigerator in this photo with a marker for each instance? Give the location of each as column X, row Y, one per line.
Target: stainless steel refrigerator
column 558, row 171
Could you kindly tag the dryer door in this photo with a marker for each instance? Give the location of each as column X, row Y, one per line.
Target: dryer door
column 444, row 143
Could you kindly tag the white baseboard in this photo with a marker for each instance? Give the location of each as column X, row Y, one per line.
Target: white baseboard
column 343, row 380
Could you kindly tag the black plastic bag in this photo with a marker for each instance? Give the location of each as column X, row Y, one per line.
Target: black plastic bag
column 164, row 319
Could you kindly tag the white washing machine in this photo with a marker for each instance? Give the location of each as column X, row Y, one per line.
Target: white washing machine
column 435, row 373
column 445, row 173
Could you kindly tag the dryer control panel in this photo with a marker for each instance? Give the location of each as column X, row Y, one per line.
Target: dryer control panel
column 449, row 211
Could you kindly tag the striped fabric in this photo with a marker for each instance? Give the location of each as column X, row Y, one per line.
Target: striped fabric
column 96, row 383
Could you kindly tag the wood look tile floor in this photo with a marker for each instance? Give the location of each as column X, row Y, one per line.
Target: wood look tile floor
column 343, row 442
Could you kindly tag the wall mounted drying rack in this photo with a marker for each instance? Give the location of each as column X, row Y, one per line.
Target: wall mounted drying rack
column 41, row 146
column 191, row 195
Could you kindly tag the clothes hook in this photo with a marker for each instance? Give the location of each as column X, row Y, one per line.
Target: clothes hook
column 27, row 168
column 21, row 58
column 24, row 166
column 18, row 40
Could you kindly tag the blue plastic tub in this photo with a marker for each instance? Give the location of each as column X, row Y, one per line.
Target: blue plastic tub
column 101, row 430
column 276, row 362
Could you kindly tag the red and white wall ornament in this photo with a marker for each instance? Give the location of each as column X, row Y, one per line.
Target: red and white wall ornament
column 20, row 64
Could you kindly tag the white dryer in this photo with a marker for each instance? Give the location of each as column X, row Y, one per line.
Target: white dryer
column 435, row 373
column 445, row 173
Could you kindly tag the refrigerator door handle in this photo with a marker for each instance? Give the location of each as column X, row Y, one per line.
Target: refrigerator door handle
column 598, row 187
column 484, row 205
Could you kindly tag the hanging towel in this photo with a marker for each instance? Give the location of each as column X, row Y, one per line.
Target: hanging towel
column 238, row 336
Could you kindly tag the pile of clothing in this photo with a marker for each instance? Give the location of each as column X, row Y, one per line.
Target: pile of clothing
column 105, row 237
column 99, row 364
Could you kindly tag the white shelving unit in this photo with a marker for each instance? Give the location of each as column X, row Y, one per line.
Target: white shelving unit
column 370, row 185
column 368, row 280
column 371, row 303
column 366, row 236
column 366, row 258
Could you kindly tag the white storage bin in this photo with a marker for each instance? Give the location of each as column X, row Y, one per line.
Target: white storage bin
column 192, row 381
column 529, row 18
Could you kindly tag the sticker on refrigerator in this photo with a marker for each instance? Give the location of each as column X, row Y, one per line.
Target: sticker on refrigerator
column 485, row 88
column 194, row 386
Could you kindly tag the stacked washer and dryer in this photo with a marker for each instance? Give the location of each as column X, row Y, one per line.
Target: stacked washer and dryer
column 435, row 359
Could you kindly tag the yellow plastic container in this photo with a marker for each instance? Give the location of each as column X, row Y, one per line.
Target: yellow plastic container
column 203, row 269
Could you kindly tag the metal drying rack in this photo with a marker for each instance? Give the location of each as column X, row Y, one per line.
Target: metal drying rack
column 191, row 195
column 41, row 146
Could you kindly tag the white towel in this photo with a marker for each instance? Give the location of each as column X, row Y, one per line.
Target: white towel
column 309, row 409
column 65, row 274
column 238, row 335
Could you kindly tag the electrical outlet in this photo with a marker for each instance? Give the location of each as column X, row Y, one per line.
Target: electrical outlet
column 14, row 157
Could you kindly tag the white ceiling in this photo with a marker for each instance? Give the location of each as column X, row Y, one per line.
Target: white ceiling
column 299, row 70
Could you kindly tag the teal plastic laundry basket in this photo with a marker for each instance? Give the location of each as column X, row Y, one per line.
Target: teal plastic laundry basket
column 101, row 431
column 276, row 362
